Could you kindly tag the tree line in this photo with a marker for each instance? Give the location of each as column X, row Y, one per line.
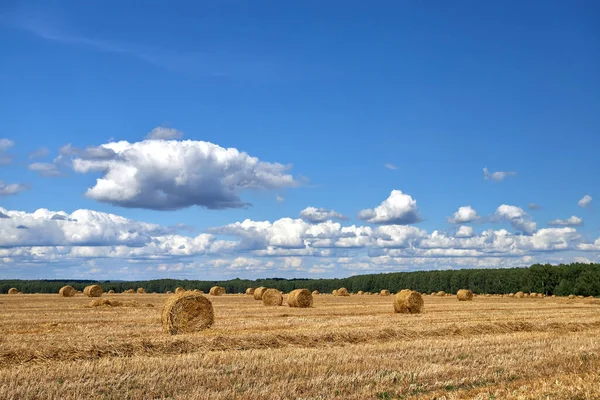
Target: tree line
column 561, row 280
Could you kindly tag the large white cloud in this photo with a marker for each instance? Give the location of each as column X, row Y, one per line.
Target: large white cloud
column 170, row 174
column 464, row 215
column 571, row 221
column 313, row 214
column 518, row 218
column 399, row 208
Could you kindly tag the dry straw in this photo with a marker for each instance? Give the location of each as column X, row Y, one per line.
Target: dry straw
column 187, row 312
column 250, row 291
column 179, row 290
column 129, row 291
column 441, row 293
column 67, row 291
column 13, row 290
column 300, row 298
column 111, row 291
column 258, row 292
column 385, row 292
column 141, row 290
column 92, row 291
column 272, row 297
column 217, row 291
column 464, row 295
column 341, row 292
column 408, row 302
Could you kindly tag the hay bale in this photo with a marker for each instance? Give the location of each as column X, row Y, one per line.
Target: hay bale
column 13, row 290
column 434, row 293
column 342, row 292
column 360, row 293
column 169, row 292
column 526, row 295
column 315, row 292
column 67, row 291
column 519, row 295
column 250, row 291
column 385, row 292
column 464, row 295
column 111, row 291
column 217, row 291
column 300, row 298
column 258, row 292
column 272, row 297
column 408, row 302
column 93, row 291
column 334, row 291
column 580, row 297
column 571, row 296
column 187, row 312
column 141, row 290
column 533, row 294
column 198, row 291
column 440, row 293
column 511, row 295
column 129, row 291
column 179, row 290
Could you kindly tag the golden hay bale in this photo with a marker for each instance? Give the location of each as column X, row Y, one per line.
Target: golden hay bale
column 92, row 291
column 511, row 295
column 519, row 295
column 258, row 292
column 13, row 290
column 198, row 291
column 129, row 291
column 464, row 295
column 533, row 294
column 168, row 292
column 408, row 302
column 315, row 292
column 179, row 290
column 334, row 291
column 385, row 292
column 217, row 291
column 250, row 291
column 360, row 293
column 67, row 291
column 300, row 298
column 187, row 312
column 434, row 293
column 272, row 297
column 580, row 297
column 526, row 295
column 571, row 296
column 141, row 290
column 440, row 293
column 553, row 296
column 342, row 292
column 111, row 291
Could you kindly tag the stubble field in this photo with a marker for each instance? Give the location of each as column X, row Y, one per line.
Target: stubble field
column 343, row 348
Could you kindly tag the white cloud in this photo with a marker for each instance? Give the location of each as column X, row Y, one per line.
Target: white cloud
column 39, row 153
column 391, row 166
column 398, row 208
column 45, row 169
column 162, row 133
column 5, row 144
column 170, row 175
column 534, row 207
column 571, row 221
column 464, row 215
column 585, row 201
column 7, row 189
column 313, row 214
column 464, row 232
column 518, row 218
column 498, row 175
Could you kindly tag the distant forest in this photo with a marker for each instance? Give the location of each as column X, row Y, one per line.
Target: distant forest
column 562, row 280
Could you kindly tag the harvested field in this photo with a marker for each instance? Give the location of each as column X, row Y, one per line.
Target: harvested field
column 342, row 348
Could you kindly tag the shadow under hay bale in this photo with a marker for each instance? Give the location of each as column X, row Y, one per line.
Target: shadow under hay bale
column 67, row 291
column 272, row 297
column 93, row 291
column 300, row 298
column 187, row 312
column 408, row 302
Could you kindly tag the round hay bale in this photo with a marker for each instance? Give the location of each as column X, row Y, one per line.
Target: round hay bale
column 141, row 290
column 258, row 292
column 334, row 291
column 434, row 293
column 129, row 291
column 360, row 293
column 533, row 294
column 315, row 292
column 67, row 291
column 580, row 297
column 187, row 312
column 553, row 296
column 217, row 291
column 511, row 295
column 440, row 293
column 111, row 291
column 342, row 292
column 272, row 297
column 519, row 295
column 93, row 291
column 408, row 302
column 198, row 291
column 526, row 295
column 571, row 296
column 169, row 292
column 385, row 292
column 179, row 289
column 300, row 298
column 13, row 290
column 464, row 295
column 250, row 291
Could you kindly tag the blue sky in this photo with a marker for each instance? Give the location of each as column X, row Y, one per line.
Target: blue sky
column 339, row 103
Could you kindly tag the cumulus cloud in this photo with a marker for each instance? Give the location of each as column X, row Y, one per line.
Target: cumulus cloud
column 464, row 215
column 399, row 208
column 498, row 175
column 585, row 201
column 162, row 133
column 518, row 218
column 571, row 221
column 7, row 189
column 391, row 166
column 45, row 169
column 313, row 214
column 464, row 232
column 5, row 144
column 170, row 175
